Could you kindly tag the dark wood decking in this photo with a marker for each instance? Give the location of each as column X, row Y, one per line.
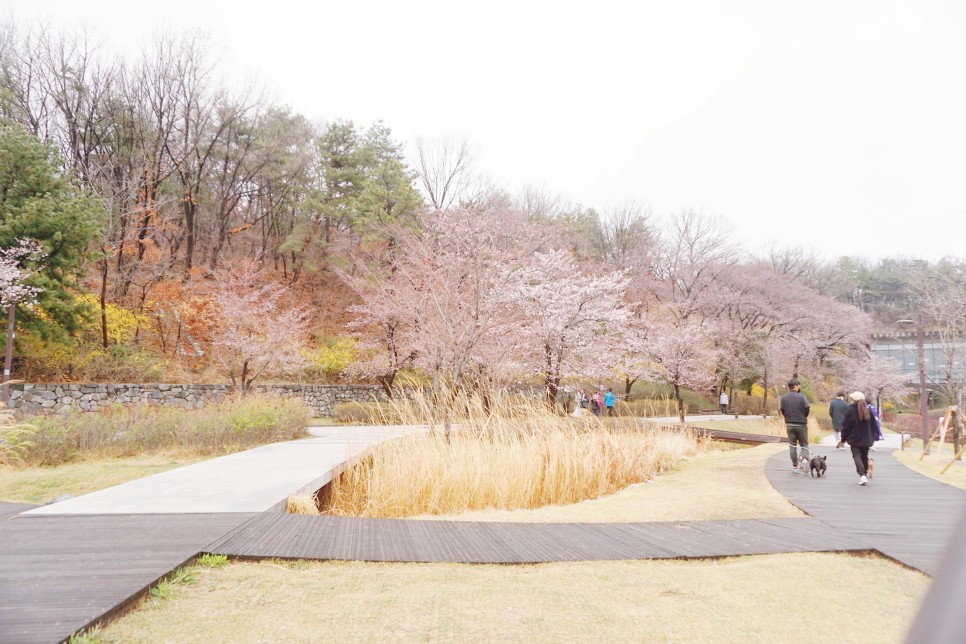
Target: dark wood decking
column 902, row 514
column 288, row 536
column 60, row 574
column 10, row 510
column 738, row 437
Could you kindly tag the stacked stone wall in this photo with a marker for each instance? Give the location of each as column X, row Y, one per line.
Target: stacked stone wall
column 64, row 398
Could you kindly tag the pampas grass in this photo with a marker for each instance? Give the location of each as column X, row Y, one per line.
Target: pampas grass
column 502, row 452
column 15, row 438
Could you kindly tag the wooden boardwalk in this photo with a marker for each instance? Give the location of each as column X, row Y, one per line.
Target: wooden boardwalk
column 289, row 536
column 902, row 514
column 60, row 574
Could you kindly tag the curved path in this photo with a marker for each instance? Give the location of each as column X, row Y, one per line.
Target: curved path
column 62, row 573
column 900, row 513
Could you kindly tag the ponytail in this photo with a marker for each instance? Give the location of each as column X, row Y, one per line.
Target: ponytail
column 862, row 408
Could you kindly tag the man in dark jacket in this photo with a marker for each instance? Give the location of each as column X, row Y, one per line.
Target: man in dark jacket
column 794, row 408
column 836, row 409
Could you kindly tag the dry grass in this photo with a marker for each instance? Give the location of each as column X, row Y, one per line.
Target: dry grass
column 301, row 504
column 711, row 485
column 234, row 424
column 38, row 484
column 931, row 466
column 522, row 456
column 771, row 598
column 15, row 438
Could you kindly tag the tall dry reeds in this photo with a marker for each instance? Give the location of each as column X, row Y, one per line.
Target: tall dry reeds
column 15, row 438
column 501, row 452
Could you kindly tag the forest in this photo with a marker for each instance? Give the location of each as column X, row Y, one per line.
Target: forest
column 161, row 224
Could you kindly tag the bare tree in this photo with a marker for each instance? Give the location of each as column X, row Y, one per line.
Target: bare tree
column 446, row 169
column 627, row 233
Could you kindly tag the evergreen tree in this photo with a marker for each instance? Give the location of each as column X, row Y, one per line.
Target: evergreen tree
column 38, row 202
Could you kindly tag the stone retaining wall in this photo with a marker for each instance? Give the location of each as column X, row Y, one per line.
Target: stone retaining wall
column 63, row 398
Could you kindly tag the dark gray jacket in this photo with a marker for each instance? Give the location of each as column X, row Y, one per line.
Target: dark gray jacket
column 836, row 409
column 794, row 407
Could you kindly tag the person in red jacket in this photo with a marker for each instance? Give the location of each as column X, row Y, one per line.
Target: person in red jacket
column 859, row 430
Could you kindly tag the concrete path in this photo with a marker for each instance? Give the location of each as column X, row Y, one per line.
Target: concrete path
column 257, row 480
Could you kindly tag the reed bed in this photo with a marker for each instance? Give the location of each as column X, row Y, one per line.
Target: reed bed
column 500, row 452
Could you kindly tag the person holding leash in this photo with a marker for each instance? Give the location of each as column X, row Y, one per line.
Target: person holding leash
column 794, row 408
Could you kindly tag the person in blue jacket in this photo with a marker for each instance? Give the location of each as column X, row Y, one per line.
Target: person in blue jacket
column 609, row 401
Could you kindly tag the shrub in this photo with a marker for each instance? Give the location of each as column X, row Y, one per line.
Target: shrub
column 233, row 424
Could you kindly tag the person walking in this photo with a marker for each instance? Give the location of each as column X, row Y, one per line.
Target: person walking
column 836, row 409
column 794, row 408
column 609, row 401
column 723, row 401
column 595, row 404
column 858, row 430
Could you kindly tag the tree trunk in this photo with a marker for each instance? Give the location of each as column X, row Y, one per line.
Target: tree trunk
column 628, row 383
column 104, row 301
column 386, row 382
column 677, row 396
column 764, row 396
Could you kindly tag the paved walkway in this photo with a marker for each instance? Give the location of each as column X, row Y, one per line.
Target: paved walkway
column 68, row 565
column 256, row 480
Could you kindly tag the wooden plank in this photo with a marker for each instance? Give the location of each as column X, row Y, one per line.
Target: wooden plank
column 61, row 574
column 900, row 513
column 10, row 510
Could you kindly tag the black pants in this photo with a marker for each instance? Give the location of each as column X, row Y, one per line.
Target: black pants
column 724, row 409
column 861, row 457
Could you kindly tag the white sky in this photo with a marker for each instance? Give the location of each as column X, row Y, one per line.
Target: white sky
column 839, row 126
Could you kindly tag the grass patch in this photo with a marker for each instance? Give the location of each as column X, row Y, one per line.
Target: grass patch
column 931, row 466
column 39, row 484
column 726, row 600
column 711, row 485
column 231, row 425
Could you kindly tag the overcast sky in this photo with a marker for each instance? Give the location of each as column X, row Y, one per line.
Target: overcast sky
column 839, row 126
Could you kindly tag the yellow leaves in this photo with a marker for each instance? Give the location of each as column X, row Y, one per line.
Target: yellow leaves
column 121, row 323
column 332, row 357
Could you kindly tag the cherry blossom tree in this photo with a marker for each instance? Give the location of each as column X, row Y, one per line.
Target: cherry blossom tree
column 683, row 354
column 879, row 377
column 15, row 271
column 258, row 331
column 446, row 298
column 570, row 320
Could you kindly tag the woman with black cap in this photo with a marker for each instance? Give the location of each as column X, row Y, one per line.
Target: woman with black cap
column 858, row 430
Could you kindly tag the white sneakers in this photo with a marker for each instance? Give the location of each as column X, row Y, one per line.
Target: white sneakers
column 863, row 480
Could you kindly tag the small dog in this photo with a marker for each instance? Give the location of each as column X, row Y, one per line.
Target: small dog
column 871, row 467
column 817, row 466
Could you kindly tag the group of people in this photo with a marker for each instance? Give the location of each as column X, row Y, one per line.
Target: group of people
column 596, row 403
column 855, row 423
